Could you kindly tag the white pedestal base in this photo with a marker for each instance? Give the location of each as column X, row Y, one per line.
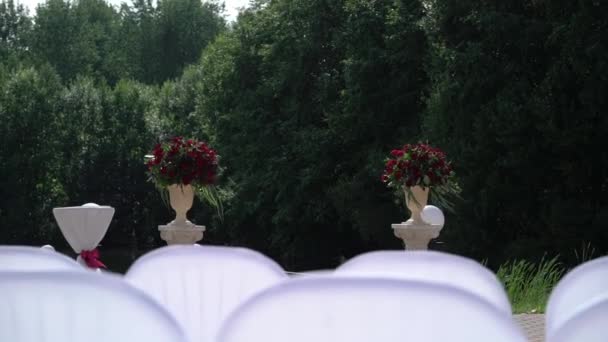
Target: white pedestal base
column 416, row 236
column 184, row 234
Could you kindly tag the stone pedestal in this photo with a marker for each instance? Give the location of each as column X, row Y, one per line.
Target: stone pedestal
column 416, row 236
column 184, row 234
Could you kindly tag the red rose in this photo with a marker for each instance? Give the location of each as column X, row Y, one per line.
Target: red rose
column 183, row 160
column 158, row 151
column 397, row 153
column 211, row 176
column 423, row 162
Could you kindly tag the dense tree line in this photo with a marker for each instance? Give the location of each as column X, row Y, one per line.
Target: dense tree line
column 519, row 101
column 142, row 41
column 303, row 100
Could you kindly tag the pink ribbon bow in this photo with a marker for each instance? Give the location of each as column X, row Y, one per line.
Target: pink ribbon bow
column 91, row 258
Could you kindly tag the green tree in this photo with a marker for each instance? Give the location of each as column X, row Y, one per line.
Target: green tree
column 98, row 53
column 29, row 163
column 79, row 39
column 571, row 106
column 139, row 35
column 185, row 27
column 515, row 104
column 53, row 36
column 174, row 109
column 263, row 103
column 15, row 31
column 304, row 98
column 385, row 84
column 106, row 137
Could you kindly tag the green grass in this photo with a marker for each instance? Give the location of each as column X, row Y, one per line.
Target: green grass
column 529, row 285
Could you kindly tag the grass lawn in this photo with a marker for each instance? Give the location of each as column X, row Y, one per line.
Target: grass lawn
column 529, row 285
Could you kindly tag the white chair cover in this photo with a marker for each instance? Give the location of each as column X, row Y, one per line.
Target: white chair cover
column 579, row 289
column 587, row 325
column 337, row 309
column 80, row 307
column 430, row 266
column 85, row 226
column 26, row 258
column 200, row 285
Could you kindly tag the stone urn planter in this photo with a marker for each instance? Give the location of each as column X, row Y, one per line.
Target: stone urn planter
column 417, row 231
column 416, row 199
column 180, row 167
column 416, row 170
column 180, row 231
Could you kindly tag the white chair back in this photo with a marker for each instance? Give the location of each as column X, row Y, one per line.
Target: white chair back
column 430, row 266
column 26, row 258
column 80, row 306
column 587, row 325
column 200, row 285
column 334, row 309
column 579, row 288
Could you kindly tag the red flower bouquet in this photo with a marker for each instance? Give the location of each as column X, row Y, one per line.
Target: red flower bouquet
column 185, row 162
column 424, row 166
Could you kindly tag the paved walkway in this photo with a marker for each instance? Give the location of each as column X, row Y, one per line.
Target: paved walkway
column 534, row 326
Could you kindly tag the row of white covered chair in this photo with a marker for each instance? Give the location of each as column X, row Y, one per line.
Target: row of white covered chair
column 376, row 296
column 201, row 286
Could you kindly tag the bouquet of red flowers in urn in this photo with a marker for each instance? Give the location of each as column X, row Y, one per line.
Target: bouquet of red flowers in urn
column 417, row 170
column 185, row 163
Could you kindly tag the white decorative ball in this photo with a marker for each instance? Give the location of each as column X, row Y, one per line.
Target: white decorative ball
column 433, row 215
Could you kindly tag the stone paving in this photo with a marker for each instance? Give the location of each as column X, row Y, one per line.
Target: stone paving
column 533, row 325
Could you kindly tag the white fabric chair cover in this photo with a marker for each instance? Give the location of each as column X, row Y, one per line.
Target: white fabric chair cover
column 430, row 266
column 26, row 258
column 80, row 307
column 579, row 289
column 339, row 309
column 200, row 285
column 85, row 226
column 587, row 325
